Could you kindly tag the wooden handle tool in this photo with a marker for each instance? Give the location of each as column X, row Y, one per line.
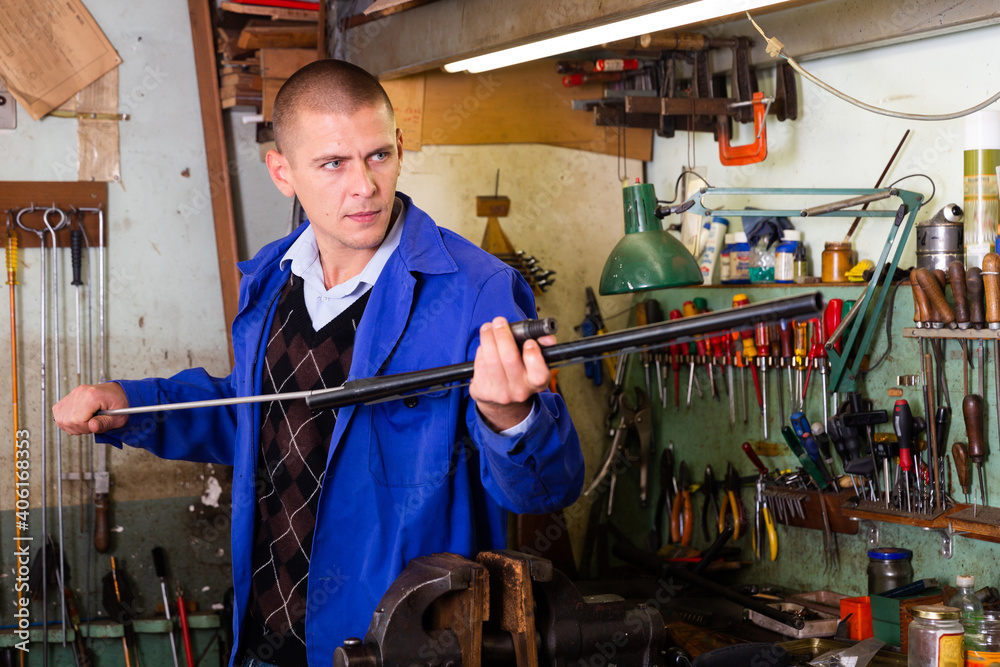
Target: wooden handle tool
column 956, row 276
column 921, row 306
column 974, row 292
column 932, row 289
column 972, row 409
column 960, row 455
column 991, row 287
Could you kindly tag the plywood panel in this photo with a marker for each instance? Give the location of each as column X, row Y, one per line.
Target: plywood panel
column 407, row 97
column 522, row 104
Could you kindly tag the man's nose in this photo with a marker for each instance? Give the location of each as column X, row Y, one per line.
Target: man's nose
column 363, row 181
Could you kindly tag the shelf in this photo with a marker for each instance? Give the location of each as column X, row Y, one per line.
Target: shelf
column 755, row 286
column 973, row 334
column 870, row 511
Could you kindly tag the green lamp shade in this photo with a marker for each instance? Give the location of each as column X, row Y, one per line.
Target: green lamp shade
column 647, row 257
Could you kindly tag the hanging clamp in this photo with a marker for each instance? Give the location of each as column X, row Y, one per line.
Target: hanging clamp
column 734, row 156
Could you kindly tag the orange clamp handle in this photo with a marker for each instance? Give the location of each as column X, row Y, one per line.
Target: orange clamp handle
column 736, row 156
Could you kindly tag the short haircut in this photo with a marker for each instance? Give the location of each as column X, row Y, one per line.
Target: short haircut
column 325, row 86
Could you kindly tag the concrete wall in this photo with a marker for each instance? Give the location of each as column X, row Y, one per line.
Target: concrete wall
column 164, row 311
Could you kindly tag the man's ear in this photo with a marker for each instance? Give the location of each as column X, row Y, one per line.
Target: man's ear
column 278, row 168
column 399, row 144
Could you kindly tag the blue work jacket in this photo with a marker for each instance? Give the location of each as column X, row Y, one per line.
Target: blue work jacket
column 401, row 481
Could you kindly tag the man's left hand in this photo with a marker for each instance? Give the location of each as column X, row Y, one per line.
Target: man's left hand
column 505, row 378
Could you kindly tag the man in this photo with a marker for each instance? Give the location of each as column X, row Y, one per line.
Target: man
column 329, row 507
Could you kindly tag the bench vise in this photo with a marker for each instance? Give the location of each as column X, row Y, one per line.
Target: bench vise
column 505, row 608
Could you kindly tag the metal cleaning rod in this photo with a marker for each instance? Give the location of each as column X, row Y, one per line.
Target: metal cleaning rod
column 627, row 341
column 41, row 370
column 58, row 387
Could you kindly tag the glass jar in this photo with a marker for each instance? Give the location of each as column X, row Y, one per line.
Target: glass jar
column 935, row 637
column 889, row 568
column 982, row 640
column 836, row 262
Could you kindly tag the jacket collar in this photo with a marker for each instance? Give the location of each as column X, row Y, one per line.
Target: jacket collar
column 421, row 249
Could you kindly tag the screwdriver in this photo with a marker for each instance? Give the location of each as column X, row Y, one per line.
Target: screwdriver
column 960, row 455
column 974, row 293
column 774, row 359
column 972, row 409
column 804, row 431
column 807, row 463
column 763, row 351
column 801, row 334
column 921, row 305
column 785, row 328
column 640, row 321
column 726, row 343
column 717, row 348
column 689, row 311
column 902, row 424
column 991, row 285
column 824, row 442
column 817, row 360
column 676, row 352
column 705, row 348
column 749, row 351
column 831, row 320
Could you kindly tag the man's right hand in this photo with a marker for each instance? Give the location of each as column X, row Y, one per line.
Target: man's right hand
column 74, row 414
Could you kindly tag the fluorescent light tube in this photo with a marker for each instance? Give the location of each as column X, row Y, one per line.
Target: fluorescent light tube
column 693, row 12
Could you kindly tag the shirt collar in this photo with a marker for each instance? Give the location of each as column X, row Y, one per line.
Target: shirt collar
column 305, row 260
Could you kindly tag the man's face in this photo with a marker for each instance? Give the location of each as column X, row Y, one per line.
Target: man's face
column 344, row 170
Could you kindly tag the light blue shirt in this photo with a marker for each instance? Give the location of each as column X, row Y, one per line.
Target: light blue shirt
column 323, row 304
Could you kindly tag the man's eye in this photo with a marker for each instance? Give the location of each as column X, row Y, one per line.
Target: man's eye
column 332, row 164
column 381, row 157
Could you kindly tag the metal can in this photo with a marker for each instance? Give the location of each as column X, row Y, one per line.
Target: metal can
column 941, row 240
column 935, row 637
column 889, row 568
column 982, row 640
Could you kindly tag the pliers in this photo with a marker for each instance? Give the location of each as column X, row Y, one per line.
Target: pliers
column 764, row 524
column 632, row 418
column 664, row 507
column 683, row 511
column 711, row 498
column 731, row 502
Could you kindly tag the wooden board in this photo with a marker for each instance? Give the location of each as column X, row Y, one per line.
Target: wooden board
column 258, row 34
column 16, row 195
column 814, row 515
column 407, row 97
column 272, row 12
column 271, row 88
column 521, row 104
column 282, row 63
column 215, row 152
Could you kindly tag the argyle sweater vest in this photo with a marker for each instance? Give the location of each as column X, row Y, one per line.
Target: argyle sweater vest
column 291, row 463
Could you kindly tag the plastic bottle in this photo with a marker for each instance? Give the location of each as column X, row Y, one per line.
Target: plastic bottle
column 762, row 262
column 740, row 260
column 982, row 157
column 713, row 234
column 965, row 599
column 725, row 264
column 784, row 256
column 801, row 262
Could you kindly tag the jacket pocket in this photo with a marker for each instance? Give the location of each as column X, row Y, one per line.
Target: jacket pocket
column 410, row 443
